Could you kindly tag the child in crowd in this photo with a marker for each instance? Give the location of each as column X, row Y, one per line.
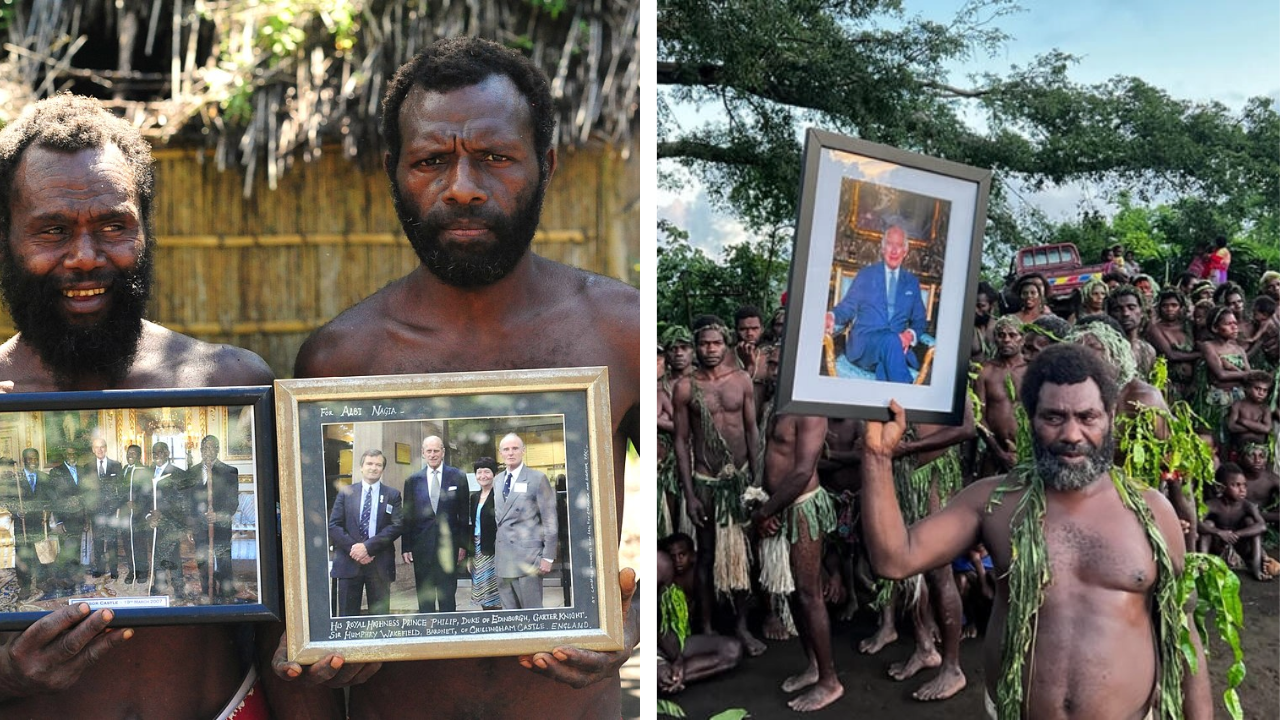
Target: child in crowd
column 1233, row 525
column 1249, row 420
column 1264, row 483
column 687, row 651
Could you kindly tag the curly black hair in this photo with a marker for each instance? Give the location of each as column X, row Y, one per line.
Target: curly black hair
column 71, row 123
column 460, row 62
column 1067, row 364
column 1125, row 290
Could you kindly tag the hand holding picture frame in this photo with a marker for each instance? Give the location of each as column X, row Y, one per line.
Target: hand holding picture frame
column 883, row 281
column 334, row 436
column 151, row 521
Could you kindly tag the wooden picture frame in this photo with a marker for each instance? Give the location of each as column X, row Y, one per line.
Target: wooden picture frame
column 562, row 415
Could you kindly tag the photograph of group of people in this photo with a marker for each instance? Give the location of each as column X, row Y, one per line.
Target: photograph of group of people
column 126, row 508
column 475, row 520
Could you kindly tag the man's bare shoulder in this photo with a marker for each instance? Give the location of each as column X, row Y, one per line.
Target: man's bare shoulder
column 171, row 359
column 610, row 305
column 327, row 353
column 1140, row 393
column 988, row 495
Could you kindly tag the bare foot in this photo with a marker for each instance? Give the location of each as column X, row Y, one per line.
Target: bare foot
column 773, row 628
column 914, row 664
column 803, row 680
column 1262, row 575
column 950, row 681
column 818, row 697
column 847, row 609
column 876, row 643
column 753, row 646
column 969, row 631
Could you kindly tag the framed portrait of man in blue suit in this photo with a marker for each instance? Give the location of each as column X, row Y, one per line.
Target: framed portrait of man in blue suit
column 883, row 279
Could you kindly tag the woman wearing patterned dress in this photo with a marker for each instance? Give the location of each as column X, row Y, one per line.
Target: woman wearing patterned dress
column 484, row 575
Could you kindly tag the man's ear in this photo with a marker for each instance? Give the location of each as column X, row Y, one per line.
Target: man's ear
column 551, row 165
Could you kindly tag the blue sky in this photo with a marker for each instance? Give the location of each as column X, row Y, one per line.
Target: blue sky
column 1228, row 51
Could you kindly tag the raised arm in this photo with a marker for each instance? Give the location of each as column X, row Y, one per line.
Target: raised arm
column 897, row 551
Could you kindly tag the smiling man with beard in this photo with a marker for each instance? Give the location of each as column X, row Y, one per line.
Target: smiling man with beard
column 1086, row 622
column 76, row 238
column 469, row 129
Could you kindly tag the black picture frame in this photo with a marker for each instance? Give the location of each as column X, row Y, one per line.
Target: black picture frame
column 853, row 191
column 252, row 588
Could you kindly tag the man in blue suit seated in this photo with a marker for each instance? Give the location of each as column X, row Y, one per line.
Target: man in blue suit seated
column 886, row 308
column 363, row 528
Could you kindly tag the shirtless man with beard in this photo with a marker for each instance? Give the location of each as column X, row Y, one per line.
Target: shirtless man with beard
column 992, row 388
column 76, row 190
column 469, row 128
column 1088, row 647
column 716, row 438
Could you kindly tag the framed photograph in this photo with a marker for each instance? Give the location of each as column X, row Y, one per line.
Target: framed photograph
column 883, row 281
column 380, row 568
column 124, row 500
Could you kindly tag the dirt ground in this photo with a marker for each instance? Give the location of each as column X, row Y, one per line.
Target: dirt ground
column 870, row 693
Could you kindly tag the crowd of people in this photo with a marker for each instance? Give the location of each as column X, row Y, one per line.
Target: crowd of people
column 769, row 523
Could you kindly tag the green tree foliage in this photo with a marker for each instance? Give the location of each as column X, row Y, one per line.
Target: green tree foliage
column 764, row 69
column 691, row 283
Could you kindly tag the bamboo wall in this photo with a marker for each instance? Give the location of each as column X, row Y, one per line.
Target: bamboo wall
column 263, row 272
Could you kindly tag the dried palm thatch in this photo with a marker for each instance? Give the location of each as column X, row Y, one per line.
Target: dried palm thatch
column 262, row 82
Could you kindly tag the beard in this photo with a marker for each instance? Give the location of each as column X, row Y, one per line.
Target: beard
column 982, row 319
column 473, row 264
column 1060, row 475
column 106, row 348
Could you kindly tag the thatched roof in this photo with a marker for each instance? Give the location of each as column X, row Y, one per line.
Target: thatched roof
column 264, row 82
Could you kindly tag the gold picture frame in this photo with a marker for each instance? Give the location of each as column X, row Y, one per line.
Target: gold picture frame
column 561, row 414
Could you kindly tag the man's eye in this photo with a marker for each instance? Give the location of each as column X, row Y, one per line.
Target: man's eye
column 495, row 157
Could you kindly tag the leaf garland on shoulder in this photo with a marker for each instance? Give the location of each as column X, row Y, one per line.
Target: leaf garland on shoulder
column 1029, row 575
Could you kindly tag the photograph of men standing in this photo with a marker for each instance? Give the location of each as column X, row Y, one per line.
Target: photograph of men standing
column 29, row 500
column 886, row 309
column 363, row 528
column 167, row 518
column 137, row 503
column 526, row 543
column 435, row 529
column 215, row 498
column 112, row 517
column 74, row 497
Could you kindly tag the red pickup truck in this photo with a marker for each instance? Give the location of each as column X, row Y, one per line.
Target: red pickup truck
column 1059, row 264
